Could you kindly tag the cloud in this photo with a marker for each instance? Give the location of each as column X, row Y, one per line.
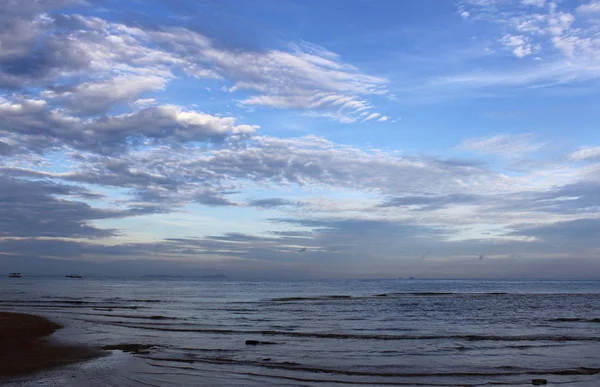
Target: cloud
column 566, row 234
column 586, row 153
column 534, row 3
column 271, row 203
column 36, row 209
column 33, row 124
column 591, row 7
column 502, row 145
column 563, row 36
column 141, row 59
column 431, row 202
column 307, row 77
column 212, row 199
column 577, row 199
column 82, row 112
column 304, row 162
column 99, row 97
column 519, row 45
column 371, row 116
column 21, row 59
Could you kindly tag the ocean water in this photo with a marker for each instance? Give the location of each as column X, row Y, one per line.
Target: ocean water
column 321, row 333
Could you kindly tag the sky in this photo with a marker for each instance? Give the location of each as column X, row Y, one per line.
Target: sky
column 290, row 139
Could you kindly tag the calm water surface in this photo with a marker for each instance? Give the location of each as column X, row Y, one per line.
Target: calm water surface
column 322, row 333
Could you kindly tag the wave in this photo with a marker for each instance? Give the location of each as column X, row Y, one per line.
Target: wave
column 333, row 297
column 319, row 335
column 97, row 307
column 74, row 302
column 119, row 299
column 576, row 319
column 293, row 366
column 403, row 294
column 134, row 317
column 422, row 294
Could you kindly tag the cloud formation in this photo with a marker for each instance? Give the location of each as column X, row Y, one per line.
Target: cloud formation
column 40, row 209
column 504, row 146
column 107, row 136
column 557, row 42
column 128, row 61
column 31, row 124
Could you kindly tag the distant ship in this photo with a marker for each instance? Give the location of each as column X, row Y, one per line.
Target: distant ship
column 73, row 276
column 15, row 275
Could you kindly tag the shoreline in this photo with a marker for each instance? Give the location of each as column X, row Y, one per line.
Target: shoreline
column 25, row 347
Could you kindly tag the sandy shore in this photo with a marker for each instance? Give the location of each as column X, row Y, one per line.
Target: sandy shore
column 24, row 347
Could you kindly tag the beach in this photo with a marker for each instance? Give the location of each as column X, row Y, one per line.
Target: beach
column 25, row 346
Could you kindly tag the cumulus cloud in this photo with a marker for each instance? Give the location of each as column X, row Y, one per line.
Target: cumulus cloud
column 519, row 45
column 39, row 128
column 98, row 97
column 21, row 58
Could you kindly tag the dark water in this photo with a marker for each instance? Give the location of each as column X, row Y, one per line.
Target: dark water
column 380, row 332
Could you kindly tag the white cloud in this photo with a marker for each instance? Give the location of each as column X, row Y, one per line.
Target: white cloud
column 502, row 145
column 590, row 8
column 549, row 30
column 535, row 3
column 160, row 157
column 144, row 102
column 372, row 116
column 519, row 44
column 41, row 128
column 586, row 153
column 121, row 61
column 98, row 97
column 307, row 77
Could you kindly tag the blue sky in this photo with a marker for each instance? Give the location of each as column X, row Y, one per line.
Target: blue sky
column 293, row 139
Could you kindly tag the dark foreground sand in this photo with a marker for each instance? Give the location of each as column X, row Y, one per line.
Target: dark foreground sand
column 24, row 348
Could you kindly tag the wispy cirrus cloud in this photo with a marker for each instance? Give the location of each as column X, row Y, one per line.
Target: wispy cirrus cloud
column 586, row 153
column 503, row 145
column 307, row 77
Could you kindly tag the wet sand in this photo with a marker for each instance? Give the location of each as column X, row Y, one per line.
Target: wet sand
column 24, row 347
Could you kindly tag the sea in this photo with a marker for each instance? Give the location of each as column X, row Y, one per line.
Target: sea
column 401, row 332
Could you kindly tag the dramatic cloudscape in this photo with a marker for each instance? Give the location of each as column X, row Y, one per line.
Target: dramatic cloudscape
column 300, row 139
